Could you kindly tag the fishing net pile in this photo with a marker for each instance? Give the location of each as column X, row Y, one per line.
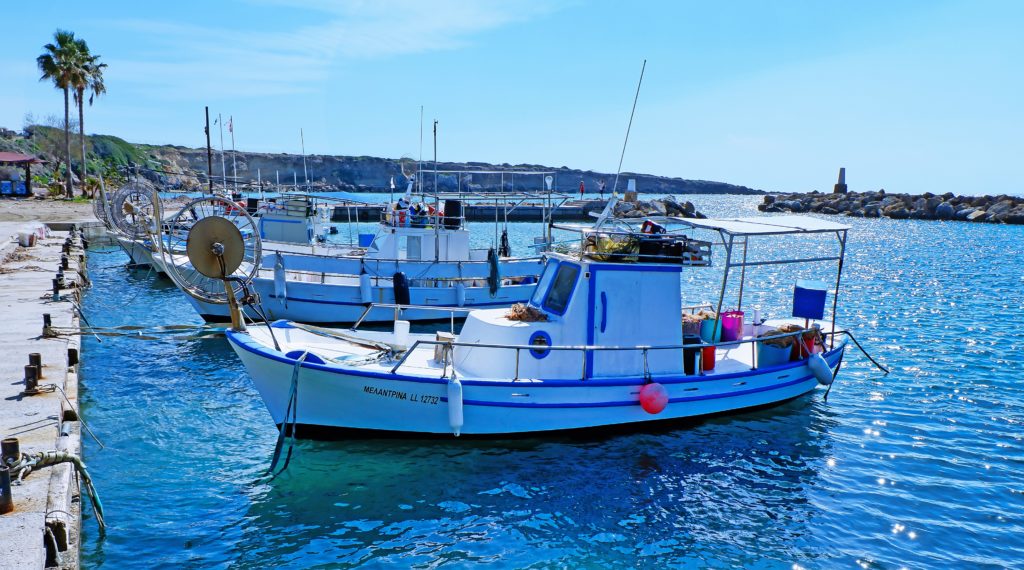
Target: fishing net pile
column 525, row 313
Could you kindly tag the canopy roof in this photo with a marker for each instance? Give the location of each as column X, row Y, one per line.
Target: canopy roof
column 16, row 158
column 765, row 225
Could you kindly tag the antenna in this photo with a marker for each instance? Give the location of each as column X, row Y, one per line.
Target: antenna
column 625, row 142
column 419, row 164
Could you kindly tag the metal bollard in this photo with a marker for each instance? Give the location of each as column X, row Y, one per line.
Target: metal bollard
column 6, row 500
column 56, row 297
column 72, row 356
column 10, row 451
column 47, row 322
column 36, row 359
column 31, row 379
column 64, row 261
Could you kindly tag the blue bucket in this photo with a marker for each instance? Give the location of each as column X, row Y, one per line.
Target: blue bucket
column 365, row 240
column 768, row 355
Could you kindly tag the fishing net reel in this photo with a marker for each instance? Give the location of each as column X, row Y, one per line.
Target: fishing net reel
column 212, row 251
column 132, row 211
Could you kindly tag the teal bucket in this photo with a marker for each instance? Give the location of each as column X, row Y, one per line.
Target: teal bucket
column 707, row 329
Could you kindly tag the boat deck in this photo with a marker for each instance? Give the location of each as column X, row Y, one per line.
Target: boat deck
column 367, row 349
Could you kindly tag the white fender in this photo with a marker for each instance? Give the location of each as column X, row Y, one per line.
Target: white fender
column 820, row 369
column 280, row 279
column 455, row 405
column 365, row 289
column 460, row 294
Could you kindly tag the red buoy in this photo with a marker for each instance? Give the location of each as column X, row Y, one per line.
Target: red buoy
column 653, row 398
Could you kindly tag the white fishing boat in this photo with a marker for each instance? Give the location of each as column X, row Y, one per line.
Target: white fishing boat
column 420, row 255
column 602, row 344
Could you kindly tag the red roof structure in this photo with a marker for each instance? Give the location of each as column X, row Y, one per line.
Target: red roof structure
column 16, row 158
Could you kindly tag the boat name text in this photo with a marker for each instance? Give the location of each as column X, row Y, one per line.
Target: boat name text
column 399, row 395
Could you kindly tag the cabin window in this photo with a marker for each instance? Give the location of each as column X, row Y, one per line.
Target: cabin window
column 545, row 281
column 562, row 286
column 413, row 247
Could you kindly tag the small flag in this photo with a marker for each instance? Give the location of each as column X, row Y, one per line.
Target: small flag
column 231, row 125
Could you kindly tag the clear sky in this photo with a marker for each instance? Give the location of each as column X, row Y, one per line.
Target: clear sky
column 910, row 96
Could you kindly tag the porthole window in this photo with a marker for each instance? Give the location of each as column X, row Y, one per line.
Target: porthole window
column 540, row 339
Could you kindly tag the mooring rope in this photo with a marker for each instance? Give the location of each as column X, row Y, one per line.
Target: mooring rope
column 35, row 461
column 290, row 417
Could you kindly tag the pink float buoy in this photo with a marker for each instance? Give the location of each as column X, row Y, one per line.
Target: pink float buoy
column 653, row 398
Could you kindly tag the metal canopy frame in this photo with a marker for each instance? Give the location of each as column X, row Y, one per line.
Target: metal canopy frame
column 737, row 231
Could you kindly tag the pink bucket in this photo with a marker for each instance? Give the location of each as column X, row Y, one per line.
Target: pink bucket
column 732, row 325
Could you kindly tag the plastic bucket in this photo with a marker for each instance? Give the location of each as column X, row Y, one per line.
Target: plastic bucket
column 707, row 357
column 365, row 240
column 708, row 333
column 732, row 325
column 768, row 355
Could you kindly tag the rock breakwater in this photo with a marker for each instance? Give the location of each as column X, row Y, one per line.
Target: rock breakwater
column 1002, row 209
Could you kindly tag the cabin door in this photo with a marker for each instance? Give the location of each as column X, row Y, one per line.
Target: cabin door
column 634, row 306
column 614, row 310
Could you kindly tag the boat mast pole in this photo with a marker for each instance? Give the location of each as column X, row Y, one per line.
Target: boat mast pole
column 725, row 280
column 743, row 273
column 223, row 164
column 839, row 273
column 631, row 113
column 305, row 173
column 419, row 163
column 209, row 153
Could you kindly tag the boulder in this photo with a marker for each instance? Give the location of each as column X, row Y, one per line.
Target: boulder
column 962, row 214
column 932, row 203
column 828, row 210
column 624, row 207
column 944, row 211
column 976, row 215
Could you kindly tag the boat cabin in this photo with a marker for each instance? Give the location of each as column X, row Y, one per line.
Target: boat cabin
column 584, row 302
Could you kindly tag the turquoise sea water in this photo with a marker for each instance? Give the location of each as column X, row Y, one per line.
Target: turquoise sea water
column 920, row 468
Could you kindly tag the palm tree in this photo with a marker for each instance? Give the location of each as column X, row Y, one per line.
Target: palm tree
column 61, row 63
column 90, row 76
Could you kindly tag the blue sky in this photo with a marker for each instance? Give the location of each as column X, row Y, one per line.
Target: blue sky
column 908, row 96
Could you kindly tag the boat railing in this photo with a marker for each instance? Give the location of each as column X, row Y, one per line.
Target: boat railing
column 404, row 219
column 584, row 350
column 399, row 308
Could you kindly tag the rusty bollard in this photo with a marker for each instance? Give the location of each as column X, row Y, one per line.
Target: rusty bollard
column 6, row 500
column 10, row 451
column 31, row 379
column 36, row 359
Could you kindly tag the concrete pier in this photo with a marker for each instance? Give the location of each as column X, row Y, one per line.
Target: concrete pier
column 44, row 527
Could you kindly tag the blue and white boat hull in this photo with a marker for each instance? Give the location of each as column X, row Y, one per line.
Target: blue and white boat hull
column 332, row 395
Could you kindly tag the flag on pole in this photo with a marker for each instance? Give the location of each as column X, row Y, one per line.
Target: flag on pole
column 231, row 125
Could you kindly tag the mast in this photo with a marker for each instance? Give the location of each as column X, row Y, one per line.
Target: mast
column 631, row 113
column 305, row 173
column 209, row 153
column 234, row 169
column 223, row 164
